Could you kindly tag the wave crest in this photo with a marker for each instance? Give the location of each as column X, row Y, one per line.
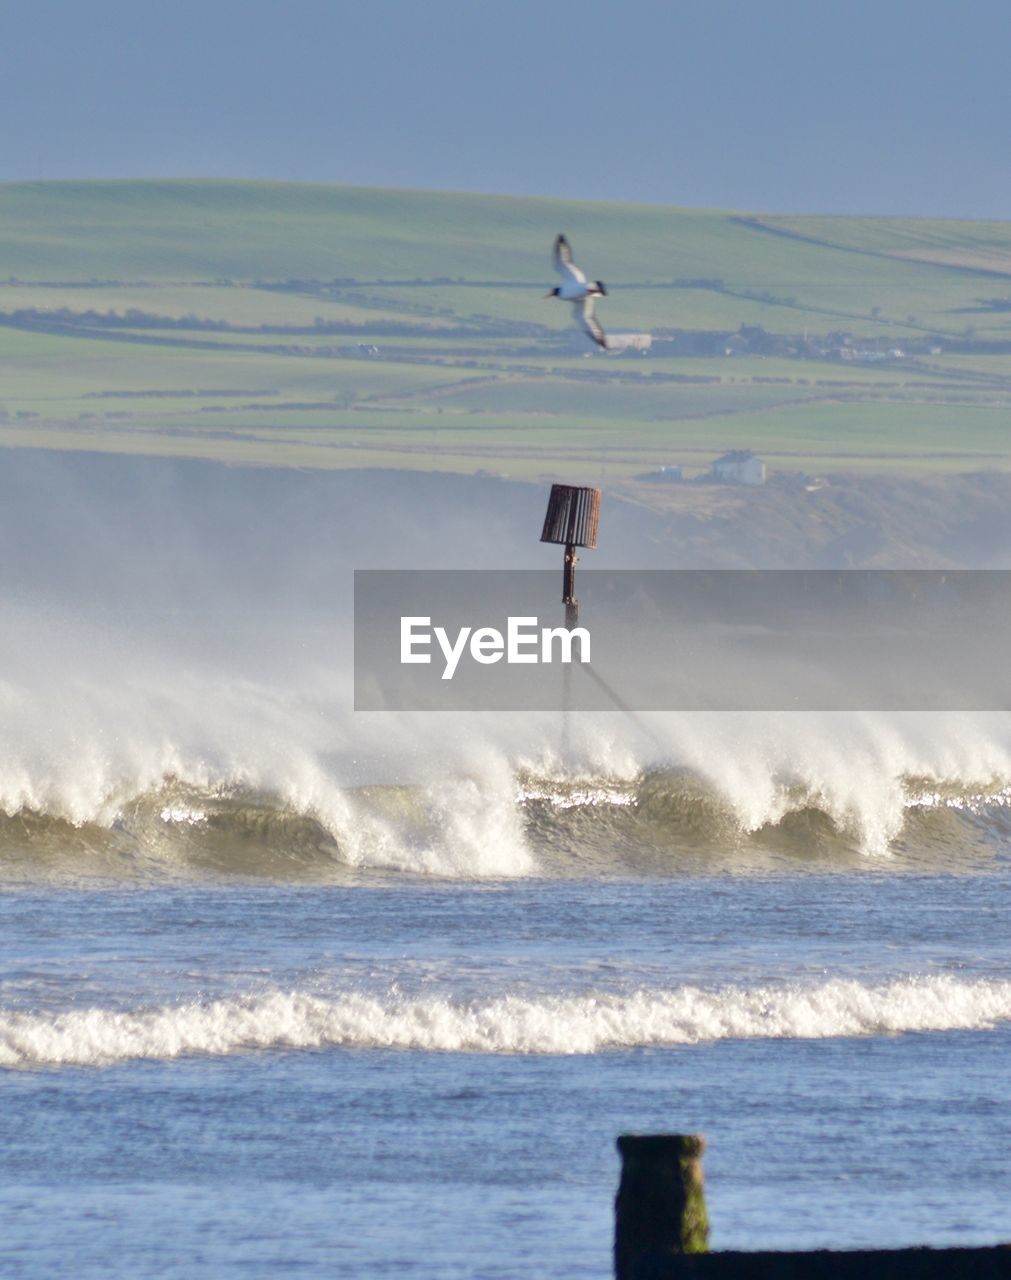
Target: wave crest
column 503, row 823
column 517, row 1024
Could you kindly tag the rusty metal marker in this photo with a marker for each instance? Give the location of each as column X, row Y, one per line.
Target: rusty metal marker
column 572, row 519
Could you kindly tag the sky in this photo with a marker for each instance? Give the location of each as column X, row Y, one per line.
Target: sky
column 830, row 106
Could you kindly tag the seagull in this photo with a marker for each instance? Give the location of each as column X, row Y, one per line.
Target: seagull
column 579, row 291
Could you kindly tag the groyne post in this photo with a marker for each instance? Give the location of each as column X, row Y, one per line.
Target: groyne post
column 660, row 1208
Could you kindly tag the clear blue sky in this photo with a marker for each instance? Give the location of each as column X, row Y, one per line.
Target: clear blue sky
column 841, row 106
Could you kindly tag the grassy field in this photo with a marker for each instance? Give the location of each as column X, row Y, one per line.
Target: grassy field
column 339, row 327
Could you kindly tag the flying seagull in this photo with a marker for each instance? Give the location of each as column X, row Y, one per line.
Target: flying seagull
column 579, row 291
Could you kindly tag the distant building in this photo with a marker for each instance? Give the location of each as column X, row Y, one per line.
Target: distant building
column 629, row 342
column 664, row 475
column 616, row 343
column 739, row 466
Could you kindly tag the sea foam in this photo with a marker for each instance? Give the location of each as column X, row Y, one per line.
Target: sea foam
column 559, row 1024
column 170, row 628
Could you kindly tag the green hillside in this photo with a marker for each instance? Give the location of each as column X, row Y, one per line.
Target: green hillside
column 340, row 326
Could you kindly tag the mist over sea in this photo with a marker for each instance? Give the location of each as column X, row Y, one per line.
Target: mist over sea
column 290, row 988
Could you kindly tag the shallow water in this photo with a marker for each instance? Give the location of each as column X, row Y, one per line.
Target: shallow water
column 427, row 1078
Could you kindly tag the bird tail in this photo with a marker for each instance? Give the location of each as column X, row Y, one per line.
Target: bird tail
column 599, row 286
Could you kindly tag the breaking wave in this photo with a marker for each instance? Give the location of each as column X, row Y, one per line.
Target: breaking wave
column 505, row 822
column 176, row 691
column 557, row 1024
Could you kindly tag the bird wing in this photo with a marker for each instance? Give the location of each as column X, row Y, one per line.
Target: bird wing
column 563, row 261
column 588, row 318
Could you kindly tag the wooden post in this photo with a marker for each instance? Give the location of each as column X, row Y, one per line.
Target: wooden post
column 660, row 1208
column 569, row 587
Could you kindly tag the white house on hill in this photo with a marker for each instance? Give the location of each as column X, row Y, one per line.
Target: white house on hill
column 629, row 342
column 739, row 466
column 615, row 343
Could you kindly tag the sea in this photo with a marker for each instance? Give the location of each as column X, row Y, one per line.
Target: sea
column 289, row 989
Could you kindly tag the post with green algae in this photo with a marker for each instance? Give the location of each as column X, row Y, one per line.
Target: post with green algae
column 660, row 1208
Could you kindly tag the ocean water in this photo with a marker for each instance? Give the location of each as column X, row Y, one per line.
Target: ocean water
column 367, row 1077
column 286, row 990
